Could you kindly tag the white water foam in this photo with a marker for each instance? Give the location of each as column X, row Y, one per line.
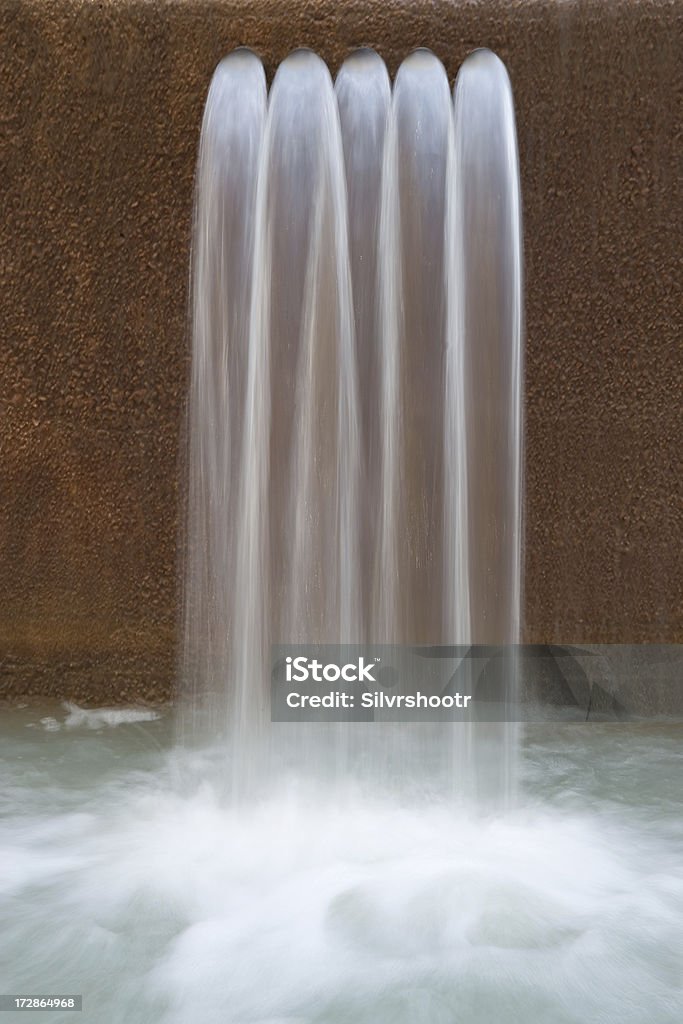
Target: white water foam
column 128, row 878
column 96, row 718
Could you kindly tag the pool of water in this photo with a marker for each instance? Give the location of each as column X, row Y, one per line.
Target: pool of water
column 127, row 877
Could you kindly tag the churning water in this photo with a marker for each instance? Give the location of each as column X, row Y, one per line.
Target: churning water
column 355, row 403
column 126, row 877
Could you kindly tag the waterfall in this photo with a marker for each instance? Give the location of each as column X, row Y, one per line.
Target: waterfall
column 224, row 266
column 364, row 97
column 484, row 427
column 355, row 400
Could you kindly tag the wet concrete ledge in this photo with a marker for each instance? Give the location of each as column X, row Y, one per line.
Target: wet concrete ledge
column 602, row 682
column 100, row 106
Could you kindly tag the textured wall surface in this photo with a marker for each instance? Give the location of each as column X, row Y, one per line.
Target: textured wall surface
column 100, row 107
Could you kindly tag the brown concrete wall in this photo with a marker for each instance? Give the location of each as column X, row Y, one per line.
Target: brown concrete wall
column 100, row 106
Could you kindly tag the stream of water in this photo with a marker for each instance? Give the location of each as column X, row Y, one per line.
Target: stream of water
column 355, row 403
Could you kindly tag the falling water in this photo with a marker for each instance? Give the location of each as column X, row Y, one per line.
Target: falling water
column 355, row 406
column 484, row 382
column 485, row 285
column 412, row 329
column 223, row 269
column 363, row 97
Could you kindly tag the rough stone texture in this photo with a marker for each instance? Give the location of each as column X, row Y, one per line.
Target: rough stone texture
column 100, row 106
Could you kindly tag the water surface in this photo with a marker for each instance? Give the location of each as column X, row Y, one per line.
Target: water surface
column 128, row 877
